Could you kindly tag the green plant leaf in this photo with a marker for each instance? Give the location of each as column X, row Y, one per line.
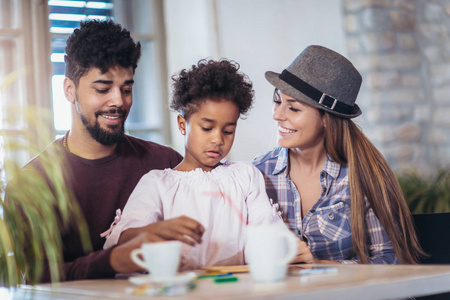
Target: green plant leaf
column 427, row 194
column 35, row 212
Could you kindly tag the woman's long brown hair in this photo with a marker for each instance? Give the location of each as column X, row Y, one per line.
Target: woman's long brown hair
column 370, row 176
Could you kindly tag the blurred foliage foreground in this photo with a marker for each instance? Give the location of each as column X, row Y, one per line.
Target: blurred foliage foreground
column 34, row 213
column 427, row 194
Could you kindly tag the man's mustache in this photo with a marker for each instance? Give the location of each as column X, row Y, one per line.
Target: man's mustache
column 112, row 111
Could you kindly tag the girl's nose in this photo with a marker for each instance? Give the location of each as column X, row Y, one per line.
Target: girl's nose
column 217, row 139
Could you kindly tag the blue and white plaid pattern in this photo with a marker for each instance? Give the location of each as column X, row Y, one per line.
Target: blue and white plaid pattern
column 326, row 226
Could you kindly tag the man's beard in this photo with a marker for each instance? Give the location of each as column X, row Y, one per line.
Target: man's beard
column 103, row 136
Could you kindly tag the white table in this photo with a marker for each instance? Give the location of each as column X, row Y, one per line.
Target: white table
column 350, row 282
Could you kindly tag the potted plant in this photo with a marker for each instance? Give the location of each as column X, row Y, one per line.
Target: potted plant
column 34, row 213
column 427, row 194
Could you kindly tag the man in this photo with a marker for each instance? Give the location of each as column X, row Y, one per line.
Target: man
column 105, row 164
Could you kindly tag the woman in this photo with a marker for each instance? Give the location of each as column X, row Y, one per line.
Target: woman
column 335, row 189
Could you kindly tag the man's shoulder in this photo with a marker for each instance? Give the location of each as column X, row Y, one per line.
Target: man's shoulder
column 143, row 147
column 53, row 151
column 47, row 164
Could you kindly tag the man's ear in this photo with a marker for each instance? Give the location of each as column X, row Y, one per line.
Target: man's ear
column 69, row 90
column 181, row 124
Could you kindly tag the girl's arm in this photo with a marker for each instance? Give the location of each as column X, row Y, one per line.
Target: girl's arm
column 143, row 214
column 259, row 207
column 143, row 207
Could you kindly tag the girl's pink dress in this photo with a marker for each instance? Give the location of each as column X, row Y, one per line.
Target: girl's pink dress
column 223, row 200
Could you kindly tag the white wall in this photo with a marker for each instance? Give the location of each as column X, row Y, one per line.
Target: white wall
column 260, row 35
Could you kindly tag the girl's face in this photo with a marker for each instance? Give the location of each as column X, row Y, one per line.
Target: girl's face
column 209, row 134
column 299, row 125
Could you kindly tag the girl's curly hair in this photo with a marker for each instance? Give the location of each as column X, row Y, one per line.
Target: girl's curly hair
column 211, row 80
column 99, row 44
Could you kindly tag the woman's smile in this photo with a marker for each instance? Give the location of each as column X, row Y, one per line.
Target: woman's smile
column 284, row 130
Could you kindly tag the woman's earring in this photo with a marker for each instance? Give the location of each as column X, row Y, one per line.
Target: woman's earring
column 182, row 132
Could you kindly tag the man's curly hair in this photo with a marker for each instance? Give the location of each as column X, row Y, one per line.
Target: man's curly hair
column 99, row 44
column 211, row 80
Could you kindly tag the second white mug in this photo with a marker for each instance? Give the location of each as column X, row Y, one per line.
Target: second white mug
column 269, row 250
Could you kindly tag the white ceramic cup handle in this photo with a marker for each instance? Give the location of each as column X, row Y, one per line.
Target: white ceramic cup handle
column 135, row 258
column 291, row 243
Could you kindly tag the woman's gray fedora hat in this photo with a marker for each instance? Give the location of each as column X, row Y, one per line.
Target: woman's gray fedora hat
column 321, row 78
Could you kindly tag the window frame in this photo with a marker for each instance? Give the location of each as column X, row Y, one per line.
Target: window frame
column 121, row 14
column 158, row 37
column 34, row 67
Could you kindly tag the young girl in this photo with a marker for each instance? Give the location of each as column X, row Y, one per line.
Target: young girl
column 223, row 197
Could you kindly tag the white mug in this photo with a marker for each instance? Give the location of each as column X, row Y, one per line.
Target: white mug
column 269, row 249
column 161, row 259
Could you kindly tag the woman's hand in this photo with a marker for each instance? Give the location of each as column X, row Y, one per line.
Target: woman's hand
column 303, row 254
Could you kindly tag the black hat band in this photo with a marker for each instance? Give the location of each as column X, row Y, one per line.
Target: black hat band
column 316, row 95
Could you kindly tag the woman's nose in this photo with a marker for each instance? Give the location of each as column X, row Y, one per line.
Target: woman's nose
column 278, row 112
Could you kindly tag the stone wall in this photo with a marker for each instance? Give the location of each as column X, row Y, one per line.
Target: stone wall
column 402, row 49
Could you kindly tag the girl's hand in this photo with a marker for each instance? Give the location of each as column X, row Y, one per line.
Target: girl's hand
column 303, row 254
column 184, row 229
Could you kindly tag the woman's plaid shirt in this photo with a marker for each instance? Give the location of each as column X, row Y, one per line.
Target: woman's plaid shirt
column 326, row 226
